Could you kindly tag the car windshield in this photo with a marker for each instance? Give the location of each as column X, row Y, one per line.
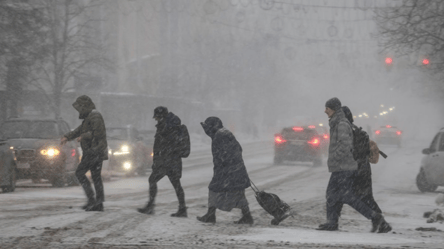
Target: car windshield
column 117, row 134
column 29, row 129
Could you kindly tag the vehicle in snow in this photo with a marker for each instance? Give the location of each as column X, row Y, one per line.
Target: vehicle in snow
column 128, row 155
column 431, row 172
column 298, row 143
column 324, row 136
column 36, row 145
column 8, row 167
column 388, row 135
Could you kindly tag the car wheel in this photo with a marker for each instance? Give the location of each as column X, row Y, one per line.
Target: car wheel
column 317, row 162
column 423, row 185
column 12, row 181
column 277, row 160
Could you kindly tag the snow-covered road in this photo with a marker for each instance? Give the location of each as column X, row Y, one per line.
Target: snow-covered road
column 51, row 217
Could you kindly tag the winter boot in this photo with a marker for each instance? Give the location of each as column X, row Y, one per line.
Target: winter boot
column 89, row 204
column 246, row 217
column 384, row 227
column 148, row 209
column 209, row 217
column 377, row 221
column 97, row 207
column 328, row 227
column 182, row 212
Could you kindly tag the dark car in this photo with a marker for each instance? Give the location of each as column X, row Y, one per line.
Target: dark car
column 36, row 144
column 388, row 135
column 431, row 172
column 8, row 167
column 324, row 136
column 129, row 154
column 298, row 143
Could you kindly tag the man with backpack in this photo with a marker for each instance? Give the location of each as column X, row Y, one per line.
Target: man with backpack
column 364, row 152
column 171, row 143
column 343, row 167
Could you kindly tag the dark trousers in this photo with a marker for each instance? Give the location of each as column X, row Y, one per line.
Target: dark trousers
column 340, row 192
column 363, row 187
column 174, row 173
column 94, row 164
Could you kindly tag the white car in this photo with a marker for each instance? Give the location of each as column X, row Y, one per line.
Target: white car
column 432, row 165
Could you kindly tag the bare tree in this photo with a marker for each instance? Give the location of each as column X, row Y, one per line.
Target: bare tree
column 75, row 49
column 414, row 28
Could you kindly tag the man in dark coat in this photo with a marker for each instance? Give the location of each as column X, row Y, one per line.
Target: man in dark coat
column 92, row 136
column 167, row 159
column 343, row 168
column 230, row 178
column 362, row 185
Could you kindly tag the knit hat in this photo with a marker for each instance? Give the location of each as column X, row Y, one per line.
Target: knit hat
column 348, row 113
column 333, row 103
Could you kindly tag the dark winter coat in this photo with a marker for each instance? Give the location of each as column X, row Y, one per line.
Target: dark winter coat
column 165, row 148
column 92, row 130
column 229, row 169
column 340, row 151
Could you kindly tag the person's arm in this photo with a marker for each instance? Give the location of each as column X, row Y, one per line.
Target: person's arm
column 345, row 140
column 98, row 134
column 71, row 135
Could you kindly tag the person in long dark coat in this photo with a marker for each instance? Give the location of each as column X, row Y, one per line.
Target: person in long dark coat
column 166, row 160
column 230, row 178
column 362, row 184
column 92, row 136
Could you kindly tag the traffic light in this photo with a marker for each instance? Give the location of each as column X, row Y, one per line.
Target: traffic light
column 388, row 63
column 425, row 62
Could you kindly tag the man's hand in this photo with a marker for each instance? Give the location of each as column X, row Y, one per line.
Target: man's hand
column 63, row 140
column 79, row 139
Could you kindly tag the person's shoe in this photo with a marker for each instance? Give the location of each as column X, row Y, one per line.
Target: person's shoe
column 246, row 219
column 182, row 212
column 384, row 227
column 89, row 204
column 377, row 221
column 328, row 227
column 97, row 207
column 148, row 209
column 207, row 218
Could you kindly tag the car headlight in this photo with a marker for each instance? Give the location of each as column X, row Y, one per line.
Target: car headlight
column 127, row 165
column 124, row 148
column 50, row 152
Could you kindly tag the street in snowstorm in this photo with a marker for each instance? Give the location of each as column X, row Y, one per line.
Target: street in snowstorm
column 49, row 217
column 221, row 124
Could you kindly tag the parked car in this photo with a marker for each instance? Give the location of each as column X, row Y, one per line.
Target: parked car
column 129, row 155
column 8, row 167
column 431, row 172
column 36, row 144
column 298, row 143
column 388, row 135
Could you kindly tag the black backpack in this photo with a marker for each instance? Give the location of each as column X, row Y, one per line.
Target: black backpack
column 184, row 141
column 361, row 143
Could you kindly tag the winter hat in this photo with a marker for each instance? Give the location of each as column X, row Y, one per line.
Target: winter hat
column 333, row 103
column 212, row 125
column 160, row 111
column 84, row 106
column 348, row 113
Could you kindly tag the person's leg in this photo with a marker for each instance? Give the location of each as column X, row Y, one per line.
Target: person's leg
column 333, row 203
column 155, row 176
column 96, row 176
column 175, row 181
column 209, row 217
column 82, row 168
column 246, row 216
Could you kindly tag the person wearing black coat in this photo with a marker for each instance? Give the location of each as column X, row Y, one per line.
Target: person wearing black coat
column 230, row 177
column 362, row 184
column 166, row 160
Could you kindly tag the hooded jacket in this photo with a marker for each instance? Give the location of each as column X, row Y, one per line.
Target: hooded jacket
column 92, row 130
column 340, row 151
column 166, row 140
column 229, row 172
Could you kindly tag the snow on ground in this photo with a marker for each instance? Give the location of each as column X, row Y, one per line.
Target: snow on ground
column 51, row 218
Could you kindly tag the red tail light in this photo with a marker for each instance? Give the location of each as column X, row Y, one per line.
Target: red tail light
column 311, row 126
column 73, row 152
column 279, row 139
column 326, row 136
column 314, row 141
column 298, row 128
column 398, row 133
column 388, row 126
column 377, row 132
